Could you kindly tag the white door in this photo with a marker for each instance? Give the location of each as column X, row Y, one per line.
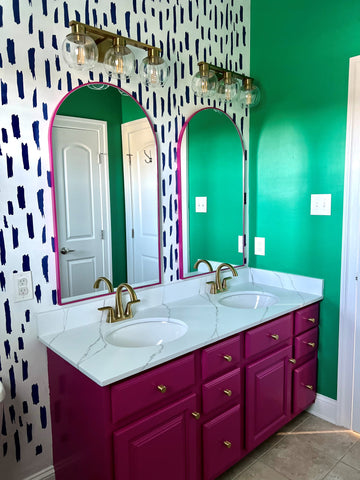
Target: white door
column 349, row 331
column 141, row 202
column 82, row 203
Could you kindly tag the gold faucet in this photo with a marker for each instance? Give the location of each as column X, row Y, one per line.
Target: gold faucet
column 119, row 314
column 218, row 286
column 106, row 281
column 203, row 261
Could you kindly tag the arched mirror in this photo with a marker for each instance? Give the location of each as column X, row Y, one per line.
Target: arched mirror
column 106, row 192
column 211, row 185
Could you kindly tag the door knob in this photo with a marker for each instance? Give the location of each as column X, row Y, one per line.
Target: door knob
column 64, row 250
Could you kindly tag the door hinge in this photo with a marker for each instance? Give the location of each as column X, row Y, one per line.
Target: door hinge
column 102, row 234
column 132, row 233
column 101, row 158
column 244, row 241
column 356, row 277
column 129, row 155
column 244, row 198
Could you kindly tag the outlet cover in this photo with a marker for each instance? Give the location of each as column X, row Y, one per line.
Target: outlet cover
column 200, row 204
column 320, row 204
column 259, row 246
column 23, row 286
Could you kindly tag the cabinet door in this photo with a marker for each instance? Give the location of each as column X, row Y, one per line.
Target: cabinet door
column 162, row 445
column 268, row 396
column 222, row 442
column 304, row 383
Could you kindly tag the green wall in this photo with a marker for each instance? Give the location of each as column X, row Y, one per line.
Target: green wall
column 215, row 171
column 300, row 56
column 108, row 105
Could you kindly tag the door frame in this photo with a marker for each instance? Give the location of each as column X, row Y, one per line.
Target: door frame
column 349, row 325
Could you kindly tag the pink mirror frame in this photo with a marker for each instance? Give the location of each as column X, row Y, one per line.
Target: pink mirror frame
column 52, row 177
column 180, row 198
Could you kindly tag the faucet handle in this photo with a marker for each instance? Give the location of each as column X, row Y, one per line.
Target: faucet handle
column 111, row 314
column 128, row 311
column 224, row 282
column 212, row 287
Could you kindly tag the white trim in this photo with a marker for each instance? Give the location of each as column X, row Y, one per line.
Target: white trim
column 46, row 474
column 349, row 319
column 325, row 408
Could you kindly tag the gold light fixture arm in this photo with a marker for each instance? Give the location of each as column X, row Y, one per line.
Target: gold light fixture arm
column 224, row 73
column 105, row 40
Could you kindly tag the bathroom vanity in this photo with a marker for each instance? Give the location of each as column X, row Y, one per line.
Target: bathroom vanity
column 196, row 405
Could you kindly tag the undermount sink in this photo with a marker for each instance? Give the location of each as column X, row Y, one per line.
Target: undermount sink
column 147, row 332
column 249, row 300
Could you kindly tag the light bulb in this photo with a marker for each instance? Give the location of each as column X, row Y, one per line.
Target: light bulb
column 80, row 51
column 119, row 60
column 249, row 94
column 204, row 83
column 154, row 70
column 228, row 88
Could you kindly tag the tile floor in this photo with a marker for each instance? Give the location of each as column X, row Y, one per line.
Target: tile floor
column 308, row 448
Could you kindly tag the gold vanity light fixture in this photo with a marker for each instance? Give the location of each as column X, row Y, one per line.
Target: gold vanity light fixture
column 87, row 45
column 211, row 80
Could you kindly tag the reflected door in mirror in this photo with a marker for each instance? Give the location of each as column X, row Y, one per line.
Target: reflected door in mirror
column 82, row 191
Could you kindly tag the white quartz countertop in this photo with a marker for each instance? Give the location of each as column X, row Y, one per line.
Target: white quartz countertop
column 77, row 332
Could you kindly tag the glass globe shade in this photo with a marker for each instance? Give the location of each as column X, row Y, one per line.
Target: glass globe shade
column 228, row 90
column 80, row 51
column 204, row 85
column 119, row 62
column 250, row 97
column 154, row 71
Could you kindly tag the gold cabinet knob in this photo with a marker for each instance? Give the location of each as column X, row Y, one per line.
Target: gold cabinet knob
column 228, row 358
column 228, row 392
column 310, row 387
column 196, row 415
column 311, row 344
column 275, row 337
column 312, row 320
column 292, row 360
column 161, row 388
column 227, row 444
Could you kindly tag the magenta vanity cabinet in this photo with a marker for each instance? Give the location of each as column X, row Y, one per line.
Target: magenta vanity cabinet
column 191, row 418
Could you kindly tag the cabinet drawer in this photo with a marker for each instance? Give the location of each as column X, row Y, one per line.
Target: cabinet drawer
column 306, row 343
column 220, row 357
column 304, row 385
column 306, row 318
column 222, row 442
column 267, row 337
column 148, row 389
column 221, row 391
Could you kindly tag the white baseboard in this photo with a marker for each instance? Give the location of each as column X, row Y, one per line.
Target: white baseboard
column 325, row 408
column 46, row 474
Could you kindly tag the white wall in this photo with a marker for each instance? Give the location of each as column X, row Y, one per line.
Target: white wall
column 189, row 31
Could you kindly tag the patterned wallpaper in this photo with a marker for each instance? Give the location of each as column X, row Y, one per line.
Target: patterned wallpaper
column 33, row 79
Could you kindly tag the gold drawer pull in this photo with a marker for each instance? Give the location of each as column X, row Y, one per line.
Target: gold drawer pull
column 312, row 344
column 227, row 444
column 275, row 337
column 292, row 360
column 161, row 388
column 196, row 415
column 228, row 358
column 312, row 320
column 228, row 392
column 310, row 387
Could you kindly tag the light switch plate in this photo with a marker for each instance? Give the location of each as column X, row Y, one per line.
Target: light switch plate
column 320, row 204
column 259, row 246
column 200, row 204
column 240, row 244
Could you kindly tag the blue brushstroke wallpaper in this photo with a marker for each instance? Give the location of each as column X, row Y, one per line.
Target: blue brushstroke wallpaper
column 33, row 79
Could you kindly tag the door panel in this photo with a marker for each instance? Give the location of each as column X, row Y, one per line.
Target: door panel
column 81, row 197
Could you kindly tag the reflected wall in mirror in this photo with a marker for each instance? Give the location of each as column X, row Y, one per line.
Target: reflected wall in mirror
column 106, row 200
column 211, row 185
